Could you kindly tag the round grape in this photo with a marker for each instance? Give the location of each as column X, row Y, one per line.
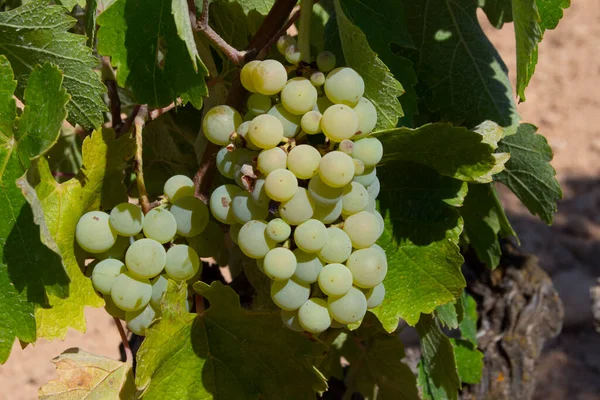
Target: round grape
column 298, row 96
column 335, row 280
column 284, row 42
column 338, row 247
column 348, row 308
column 178, row 186
column 281, row 185
column 127, row 219
column 311, row 122
column 265, row 131
column 220, row 203
column 242, row 131
column 367, row 177
column 289, row 121
column 112, row 309
column 258, row 103
column 308, row 267
column 129, row 293
column 191, row 215
column 336, row 169
column 246, row 75
column 314, row 316
column 259, row 194
column 182, row 262
column 380, row 221
column 278, row 230
column 346, row 146
column 252, row 239
column 368, row 150
column 269, row 77
column 139, row 321
column 310, row 236
column 368, row 267
column 244, row 209
column 317, row 79
column 271, row 159
column 117, row 251
column 290, row 320
column 298, row 209
column 303, row 161
column 279, row 264
column 363, row 229
column 289, row 295
column 105, row 273
column 323, row 194
column 94, row 233
column 367, row 116
column 339, row 122
column 375, row 296
column 160, row 225
column 219, row 123
column 354, row 199
column 326, row 61
column 145, row 258
column 328, row 214
column 225, row 161
column 159, row 287
column 371, row 204
column 374, row 188
column 292, row 55
column 344, row 86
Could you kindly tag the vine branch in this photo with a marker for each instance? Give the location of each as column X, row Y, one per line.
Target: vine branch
column 236, row 56
column 304, row 29
column 128, row 352
column 139, row 164
column 109, row 78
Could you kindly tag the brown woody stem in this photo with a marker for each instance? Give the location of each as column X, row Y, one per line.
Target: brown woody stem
column 139, row 165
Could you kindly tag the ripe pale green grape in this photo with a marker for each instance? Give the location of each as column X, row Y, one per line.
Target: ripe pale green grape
column 234, row 231
column 371, row 204
column 244, row 209
column 368, row 150
column 314, row 316
column 378, row 248
column 127, row 219
column 289, row 121
column 290, row 320
column 182, row 262
column 317, row 79
column 279, row 264
column 374, row 188
column 278, row 230
column 380, row 221
column 367, row 177
column 368, row 267
column 191, row 215
column 178, row 186
column 298, row 96
column 265, row 131
column 145, row 258
column 139, row 321
column 303, row 161
column 346, row 146
column 284, row 42
column 375, row 296
column 220, row 203
column 335, row 280
column 359, row 167
column 271, row 159
column 367, row 116
column 308, row 267
column 226, row 161
column 292, row 55
column 323, row 194
column 159, row 287
column 242, row 131
column 339, row 122
column 298, row 209
column 311, row 122
column 259, row 194
column 160, row 225
column 269, row 77
column 348, row 308
column 219, row 123
column 326, row 61
column 246, row 75
column 105, row 273
column 310, row 236
column 112, row 309
column 116, row 251
column 344, row 86
column 336, row 169
column 281, row 185
column 289, row 295
column 258, row 103
column 354, row 199
column 363, row 229
column 94, row 233
column 252, row 239
column 338, row 247
column 129, row 293
column 328, row 214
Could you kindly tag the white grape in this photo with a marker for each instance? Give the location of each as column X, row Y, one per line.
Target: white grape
column 127, row 219
column 159, row 287
column 317, row 78
column 367, row 177
column 117, row 251
column 178, row 186
column 244, row 209
column 339, row 122
column 271, row 159
column 265, row 131
column 375, row 296
column 242, row 131
column 323, row 194
column 367, row 116
column 335, row 280
column 359, row 167
column 259, row 194
column 348, row 308
column 374, row 188
column 326, row 61
column 328, row 214
column 145, row 258
column 344, row 86
column 252, row 239
column 336, row 169
column 289, row 121
column 284, row 42
column 346, row 146
column 112, row 309
column 310, row 236
column 311, row 122
column 105, row 273
column 219, row 123
column 338, row 246
column 269, row 77
column 139, row 321
column 290, row 320
column 160, row 225
column 354, row 199
column 278, row 230
column 246, row 75
column 363, row 229
column 182, row 262
column 279, row 264
column 298, row 209
column 191, row 215
column 368, row 150
column 281, row 185
column 226, row 161
column 129, row 293
column 303, row 161
column 298, row 96
column 380, row 221
column 94, row 233
column 371, row 204
column 220, row 203
column 290, row 294
column 368, row 267
column 258, row 103
column 308, row 266
column 314, row 315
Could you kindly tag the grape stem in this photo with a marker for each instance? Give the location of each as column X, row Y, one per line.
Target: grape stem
column 129, row 121
column 304, row 29
column 109, row 78
column 128, row 352
column 139, row 165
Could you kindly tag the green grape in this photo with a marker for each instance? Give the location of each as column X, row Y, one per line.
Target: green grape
column 298, row 96
column 258, row 103
column 308, row 267
column 281, row 185
column 234, row 231
column 244, row 209
column 317, row 78
column 323, row 103
column 378, row 248
column 339, row 122
column 310, row 236
column 246, row 75
column 336, row 169
column 359, row 167
column 269, row 77
column 191, row 215
column 219, row 123
column 129, row 293
column 346, row 146
column 145, row 258
column 226, row 160
column 252, row 239
column 367, row 116
column 328, row 214
column 112, row 309
column 303, row 161
column 94, row 233
column 160, row 225
column 335, row 280
column 375, row 296
column 259, row 194
column 284, row 42
column 105, row 273
column 220, row 203
column 348, row 308
column 371, row 204
column 209, row 243
column 243, row 167
column 178, row 186
column 298, row 209
column 380, row 221
column 314, row 316
column 338, row 247
column 126, row 219
column 368, row 267
column 117, row 251
column 182, row 262
column 368, row 150
column 289, row 121
column 242, row 131
column 292, row 55
column 354, row 199
column 290, row 320
column 367, row 177
column 323, row 194
column 311, row 122
column 279, row 264
column 326, row 61
column 265, row 131
column 363, row 229
column 159, row 287
column 344, row 86
column 289, row 295
column 278, row 230
column 139, row 321
column 259, row 265
column 271, row 159
column 374, row 188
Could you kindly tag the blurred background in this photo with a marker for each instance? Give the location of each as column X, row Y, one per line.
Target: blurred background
column 563, row 100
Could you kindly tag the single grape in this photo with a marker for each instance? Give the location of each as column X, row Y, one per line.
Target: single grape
column 367, row 116
column 258, row 103
column 308, row 267
column 145, row 258
column 289, row 295
column 191, row 215
column 310, row 236
column 326, row 61
column 354, row 199
column 178, row 186
column 298, row 209
column 335, row 280
column 303, row 161
column 252, row 239
column 271, row 159
column 311, row 122
column 259, row 194
column 378, row 248
column 284, row 42
column 244, row 209
column 139, row 321
column 159, row 287
column 367, row 177
column 117, row 251
column 374, row 188
column 112, row 309
column 160, row 225
column 129, row 293
column 219, row 123
column 375, row 296
column 380, row 221
column 290, row 320
column 242, row 131
column 348, row 308
column 289, row 121
column 105, row 273
column 265, row 131
column 336, row 169
column 220, row 203
column 269, row 77
column 328, row 214
column 363, row 229
column 359, row 167
column 323, row 194
column 234, row 231
column 314, row 315
column 94, row 233
column 368, row 267
column 369, row 150
column 182, row 262
column 279, row 264
column 292, row 55
column 278, row 230
column 246, row 75
column 126, row 219
column 338, row 247
column 323, row 103
column 344, row 86
column 317, row 79
column 346, row 146
column 298, row 96
column 371, row 204
column 281, row 185
column 339, row 122
column 226, row 161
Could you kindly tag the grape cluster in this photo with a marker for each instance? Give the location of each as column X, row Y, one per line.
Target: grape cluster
column 303, row 186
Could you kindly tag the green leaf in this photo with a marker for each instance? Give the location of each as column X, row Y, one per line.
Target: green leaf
column 91, row 9
column 70, row 4
column 447, row 315
column 150, row 56
column 226, row 352
column 181, row 14
column 528, row 34
column 469, row 361
column 30, row 267
column 529, row 174
column 551, row 12
column 37, row 33
column 380, row 85
column 498, row 12
column 261, row 6
column 64, row 157
column 468, row 325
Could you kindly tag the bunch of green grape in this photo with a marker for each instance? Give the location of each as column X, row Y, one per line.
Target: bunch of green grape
column 303, row 184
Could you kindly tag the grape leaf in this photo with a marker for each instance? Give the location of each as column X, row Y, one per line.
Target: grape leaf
column 36, row 33
column 447, row 315
column 30, row 267
column 529, row 174
column 99, row 184
column 498, row 12
column 150, row 56
column 89, row 19
column 551, row 12
column 226, row 352
column 86, row 375
column 181, row 15
column 261, row 6
column 468, row 325
column 469, row 361
column 70, row 4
